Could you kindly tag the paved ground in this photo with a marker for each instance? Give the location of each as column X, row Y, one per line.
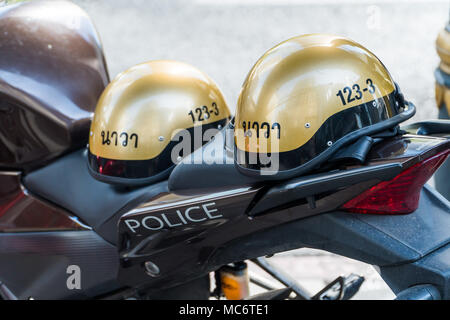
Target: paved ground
column 224, row 38
column 314, row 269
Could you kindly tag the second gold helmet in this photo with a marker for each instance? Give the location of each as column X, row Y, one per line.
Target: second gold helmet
column 308, row 97
column 139, row 113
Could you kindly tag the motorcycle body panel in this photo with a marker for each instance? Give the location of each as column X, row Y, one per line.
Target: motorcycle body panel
column 52, row 71
column 403, row 246
column 37, row 264
column 22, row 212
column 242, row 223
column 433, row 269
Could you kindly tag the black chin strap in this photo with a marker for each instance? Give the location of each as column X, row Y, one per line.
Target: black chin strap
column 358, row 151
column 399, row 98
column 355, row 152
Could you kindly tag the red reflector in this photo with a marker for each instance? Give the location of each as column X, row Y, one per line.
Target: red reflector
column 399, row 195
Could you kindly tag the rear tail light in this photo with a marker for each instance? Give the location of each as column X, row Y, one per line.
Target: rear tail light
column 399, row 195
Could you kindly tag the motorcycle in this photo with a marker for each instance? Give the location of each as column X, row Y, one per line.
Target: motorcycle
column 65, row 235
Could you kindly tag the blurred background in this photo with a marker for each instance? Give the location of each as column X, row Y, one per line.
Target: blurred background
column 224, row 38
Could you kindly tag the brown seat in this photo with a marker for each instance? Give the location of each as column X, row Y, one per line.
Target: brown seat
column 52, row 71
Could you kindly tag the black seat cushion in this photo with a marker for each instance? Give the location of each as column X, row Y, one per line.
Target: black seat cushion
column 207, row 170
column 68, row 184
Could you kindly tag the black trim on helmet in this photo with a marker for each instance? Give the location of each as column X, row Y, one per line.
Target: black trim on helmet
column 132, row 182
column 341, row 129
column 139, row 172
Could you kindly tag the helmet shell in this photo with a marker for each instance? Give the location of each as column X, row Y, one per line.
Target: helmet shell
column 141, row 111
column 304, row 95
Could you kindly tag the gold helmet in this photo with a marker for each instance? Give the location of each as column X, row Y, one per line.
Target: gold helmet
column 140, row 112
column 308, row 97
column 443, row 48
column 442, row 73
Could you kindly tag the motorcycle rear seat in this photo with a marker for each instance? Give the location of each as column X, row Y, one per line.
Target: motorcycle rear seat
column 207, row 171
column 68, row 184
